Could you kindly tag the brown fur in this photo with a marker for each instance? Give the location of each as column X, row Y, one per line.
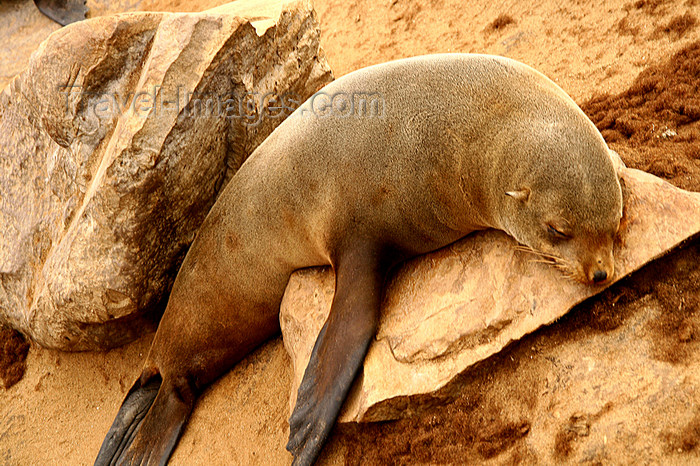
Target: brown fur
column 454, row 135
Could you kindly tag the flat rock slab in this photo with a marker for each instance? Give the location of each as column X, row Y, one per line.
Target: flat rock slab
column 445, row 311
column 117, row 139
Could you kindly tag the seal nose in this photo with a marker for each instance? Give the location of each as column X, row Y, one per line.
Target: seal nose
column 600, row 276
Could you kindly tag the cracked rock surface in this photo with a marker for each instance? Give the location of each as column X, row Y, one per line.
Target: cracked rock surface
column 117, row 139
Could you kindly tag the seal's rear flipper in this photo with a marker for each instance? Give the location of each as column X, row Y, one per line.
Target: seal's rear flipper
column 63, row 12
column 149, row 423
column 128, row 420
column 338, row 353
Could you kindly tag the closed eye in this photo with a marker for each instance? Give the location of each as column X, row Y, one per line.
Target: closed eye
column 556, row 233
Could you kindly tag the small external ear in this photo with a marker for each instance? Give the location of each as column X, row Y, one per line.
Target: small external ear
column 521, row 195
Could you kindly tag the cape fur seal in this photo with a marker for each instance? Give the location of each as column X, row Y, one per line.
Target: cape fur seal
column 456, row 143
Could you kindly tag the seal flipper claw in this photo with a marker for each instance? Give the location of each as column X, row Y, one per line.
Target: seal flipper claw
column 337, row 355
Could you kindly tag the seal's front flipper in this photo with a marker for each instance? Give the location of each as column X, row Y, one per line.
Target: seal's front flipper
column 338, row 353
column 63, row 12
column 149, row 423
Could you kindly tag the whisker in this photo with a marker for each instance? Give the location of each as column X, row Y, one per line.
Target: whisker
column 524, row 248
column 542, row 261
column 567, row 268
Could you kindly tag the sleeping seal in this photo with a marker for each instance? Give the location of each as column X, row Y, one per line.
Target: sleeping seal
column 385, row 163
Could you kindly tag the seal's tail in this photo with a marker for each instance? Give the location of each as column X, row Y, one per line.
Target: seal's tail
column 148, row 423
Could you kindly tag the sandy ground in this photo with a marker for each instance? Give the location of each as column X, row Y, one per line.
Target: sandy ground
column 60, row 411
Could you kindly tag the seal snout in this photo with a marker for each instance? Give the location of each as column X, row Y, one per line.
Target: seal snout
column 600, row 272
column 600, row 276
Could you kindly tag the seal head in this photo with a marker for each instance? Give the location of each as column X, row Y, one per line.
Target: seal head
column 567, row 205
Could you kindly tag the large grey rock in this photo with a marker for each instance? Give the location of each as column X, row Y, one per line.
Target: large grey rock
column 116, row 141
column 444, row 312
